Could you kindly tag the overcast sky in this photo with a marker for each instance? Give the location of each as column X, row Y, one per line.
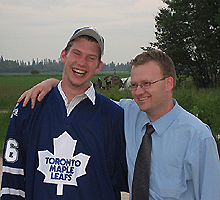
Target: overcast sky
column 32, row 29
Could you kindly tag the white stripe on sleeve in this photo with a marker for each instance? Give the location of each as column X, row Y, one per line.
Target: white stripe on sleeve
column 12, row 170
column 12, row 191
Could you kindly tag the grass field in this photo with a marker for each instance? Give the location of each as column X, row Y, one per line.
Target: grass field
column 203, row 103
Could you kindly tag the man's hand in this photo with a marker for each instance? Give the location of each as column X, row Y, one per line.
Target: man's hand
column 40, row 89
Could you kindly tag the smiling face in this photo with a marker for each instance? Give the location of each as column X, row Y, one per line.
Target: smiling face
column 80, row 64
column 156, row 100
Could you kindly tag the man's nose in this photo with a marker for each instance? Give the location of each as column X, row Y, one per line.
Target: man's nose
column 82, row 60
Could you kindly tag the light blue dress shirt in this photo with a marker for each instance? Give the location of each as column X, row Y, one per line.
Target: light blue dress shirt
column 184, row 159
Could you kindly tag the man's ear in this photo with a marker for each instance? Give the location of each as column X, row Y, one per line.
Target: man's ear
column 63, row 56
column 99, row 67
column 169, row 83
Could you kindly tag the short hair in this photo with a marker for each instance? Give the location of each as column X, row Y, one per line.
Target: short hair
column 164, row 61
column 87, row 37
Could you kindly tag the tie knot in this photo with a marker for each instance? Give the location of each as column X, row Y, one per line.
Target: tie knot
column 149, row 129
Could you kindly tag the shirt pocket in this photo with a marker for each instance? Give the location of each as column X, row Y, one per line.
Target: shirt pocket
column 166, row 181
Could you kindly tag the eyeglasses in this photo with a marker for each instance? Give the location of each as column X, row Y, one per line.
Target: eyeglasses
column 145, row 85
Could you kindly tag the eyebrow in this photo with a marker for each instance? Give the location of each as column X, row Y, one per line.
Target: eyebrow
column 144, row 81
column 94, row 55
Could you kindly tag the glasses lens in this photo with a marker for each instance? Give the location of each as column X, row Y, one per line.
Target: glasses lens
column 134, row 87
column 146, row 85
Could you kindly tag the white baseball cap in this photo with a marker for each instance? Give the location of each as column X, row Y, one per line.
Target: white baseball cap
column 90, row 31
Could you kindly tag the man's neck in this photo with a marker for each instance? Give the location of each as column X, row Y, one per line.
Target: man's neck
column 161, row 112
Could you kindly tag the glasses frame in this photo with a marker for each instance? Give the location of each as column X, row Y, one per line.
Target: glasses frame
column 146, row 85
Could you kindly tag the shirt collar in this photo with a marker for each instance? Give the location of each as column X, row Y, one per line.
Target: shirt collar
column 90, row 93
column 143, row 120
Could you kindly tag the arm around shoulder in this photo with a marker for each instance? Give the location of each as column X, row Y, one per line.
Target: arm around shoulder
column 40, row 90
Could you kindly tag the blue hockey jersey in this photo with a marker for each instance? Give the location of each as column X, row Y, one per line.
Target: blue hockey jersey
column 48, row 155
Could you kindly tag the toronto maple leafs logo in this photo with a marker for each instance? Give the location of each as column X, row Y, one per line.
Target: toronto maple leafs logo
column 62, row 168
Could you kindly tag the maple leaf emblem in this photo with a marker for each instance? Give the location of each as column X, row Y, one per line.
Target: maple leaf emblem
column 62, row 168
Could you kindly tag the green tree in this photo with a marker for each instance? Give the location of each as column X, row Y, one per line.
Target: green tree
column 189, row 32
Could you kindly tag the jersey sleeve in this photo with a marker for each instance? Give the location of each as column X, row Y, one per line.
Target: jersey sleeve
column 13, row 169
column 121, row 169
column 121, row 172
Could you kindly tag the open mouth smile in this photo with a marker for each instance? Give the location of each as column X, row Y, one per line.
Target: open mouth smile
column 77, row 71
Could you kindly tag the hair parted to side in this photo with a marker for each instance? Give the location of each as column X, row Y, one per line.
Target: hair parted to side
column 165, row 62
column 87, row 37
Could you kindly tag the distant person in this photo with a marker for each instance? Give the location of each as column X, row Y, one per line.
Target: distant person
column 108, row 82
column 71, row 145
column 184, row 158
column 100, row 82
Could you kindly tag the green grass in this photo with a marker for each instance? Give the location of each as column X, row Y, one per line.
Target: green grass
column 203, row 103
column 4, row 120
column 25, row 79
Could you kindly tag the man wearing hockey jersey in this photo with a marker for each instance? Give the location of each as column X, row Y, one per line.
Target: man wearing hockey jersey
column 71, row 145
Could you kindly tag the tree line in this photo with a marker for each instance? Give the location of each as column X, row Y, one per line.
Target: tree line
column 48, row 65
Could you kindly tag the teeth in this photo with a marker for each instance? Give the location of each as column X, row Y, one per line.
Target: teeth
column 141, row 99
column 78, row 71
